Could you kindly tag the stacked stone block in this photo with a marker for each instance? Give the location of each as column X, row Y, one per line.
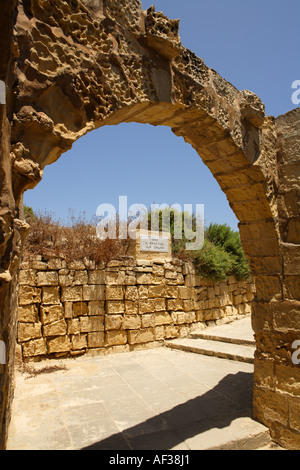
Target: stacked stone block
column 66, row 309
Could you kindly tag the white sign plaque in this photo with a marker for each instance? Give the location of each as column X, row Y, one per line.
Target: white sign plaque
column 159, row 244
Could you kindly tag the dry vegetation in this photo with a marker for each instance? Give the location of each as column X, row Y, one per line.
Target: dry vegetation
column 75, row 241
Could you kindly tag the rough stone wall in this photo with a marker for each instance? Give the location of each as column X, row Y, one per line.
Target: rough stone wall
column 277, row 377
column 70, row 309
column 11, row 228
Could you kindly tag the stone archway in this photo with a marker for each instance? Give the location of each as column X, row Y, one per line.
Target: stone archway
column 76, row 66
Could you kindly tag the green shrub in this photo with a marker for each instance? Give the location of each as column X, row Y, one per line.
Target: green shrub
column 222, row 255
column 212, row 262
column 224, row 237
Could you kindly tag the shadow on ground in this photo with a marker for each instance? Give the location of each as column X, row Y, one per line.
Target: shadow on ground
column 229, row 400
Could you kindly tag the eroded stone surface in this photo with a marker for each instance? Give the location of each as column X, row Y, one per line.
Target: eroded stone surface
column 72, row 67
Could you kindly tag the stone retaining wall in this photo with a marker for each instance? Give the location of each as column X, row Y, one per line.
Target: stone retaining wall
column 70, row 309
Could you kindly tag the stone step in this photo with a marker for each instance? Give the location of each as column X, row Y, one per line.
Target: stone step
column 237, row 332
column 225, row 350
column 243, row 433
column 222, row 338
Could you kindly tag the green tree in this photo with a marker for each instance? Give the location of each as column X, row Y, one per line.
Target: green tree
column 29, row 215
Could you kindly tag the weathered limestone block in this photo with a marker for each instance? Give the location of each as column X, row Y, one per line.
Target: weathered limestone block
column 151, row 305
column 115, row 337
column 286, row 315
column 71, row 294
column 115, row 278
column 29, row 295
column 114, row 293
column 186, row 293
column 131, row 293
column 190, row 280
column 29, row 331
column 130, row 280
column 188, row 305
column 142, row 278
column 163, row 318
column 170, row 274
column 171, row 331
column 58, row 328
column 159, row 332
column 131, row 322
column 113, row 322
column 93, row 292
column 56, row 264
column 172, row 292
column 157, row 270
column 291, row 287
column 143, row 292
column 51, row 313
column 148, row 320
column 36, row 347
column 80, row 308
column 80, row 278
column 79, row 342
column 95, row 340
column 76, row 265
column 96, row 277
column 61, row 344
column 47, row 278
column 294, row 413
column 131, row 308
column 114, row 307
column 27, row 313
column 237, row 299
column 96, row 307
column 178, row 317
column 288, row 379
column 91, row 324
column 190, row 317
column 268, row 288
column 73, row 326
column 50, row 295
column 156, row 291
column 38, row 265
column 179, row 279
column 174, row 304
column 66, row 280
column 27, row 277
column 68, row 309
column 141, row 336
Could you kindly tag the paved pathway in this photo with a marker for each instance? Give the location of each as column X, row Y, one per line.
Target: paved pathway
column 159, row 399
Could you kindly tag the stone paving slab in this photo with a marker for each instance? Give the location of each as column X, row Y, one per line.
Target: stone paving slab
column 157, row 399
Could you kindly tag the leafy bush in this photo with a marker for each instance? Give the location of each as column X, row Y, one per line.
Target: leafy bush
column 212, row 262
column 224, row 237
column 222, row 254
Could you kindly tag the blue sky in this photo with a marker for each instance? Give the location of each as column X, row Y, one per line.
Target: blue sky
column 253, row 45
